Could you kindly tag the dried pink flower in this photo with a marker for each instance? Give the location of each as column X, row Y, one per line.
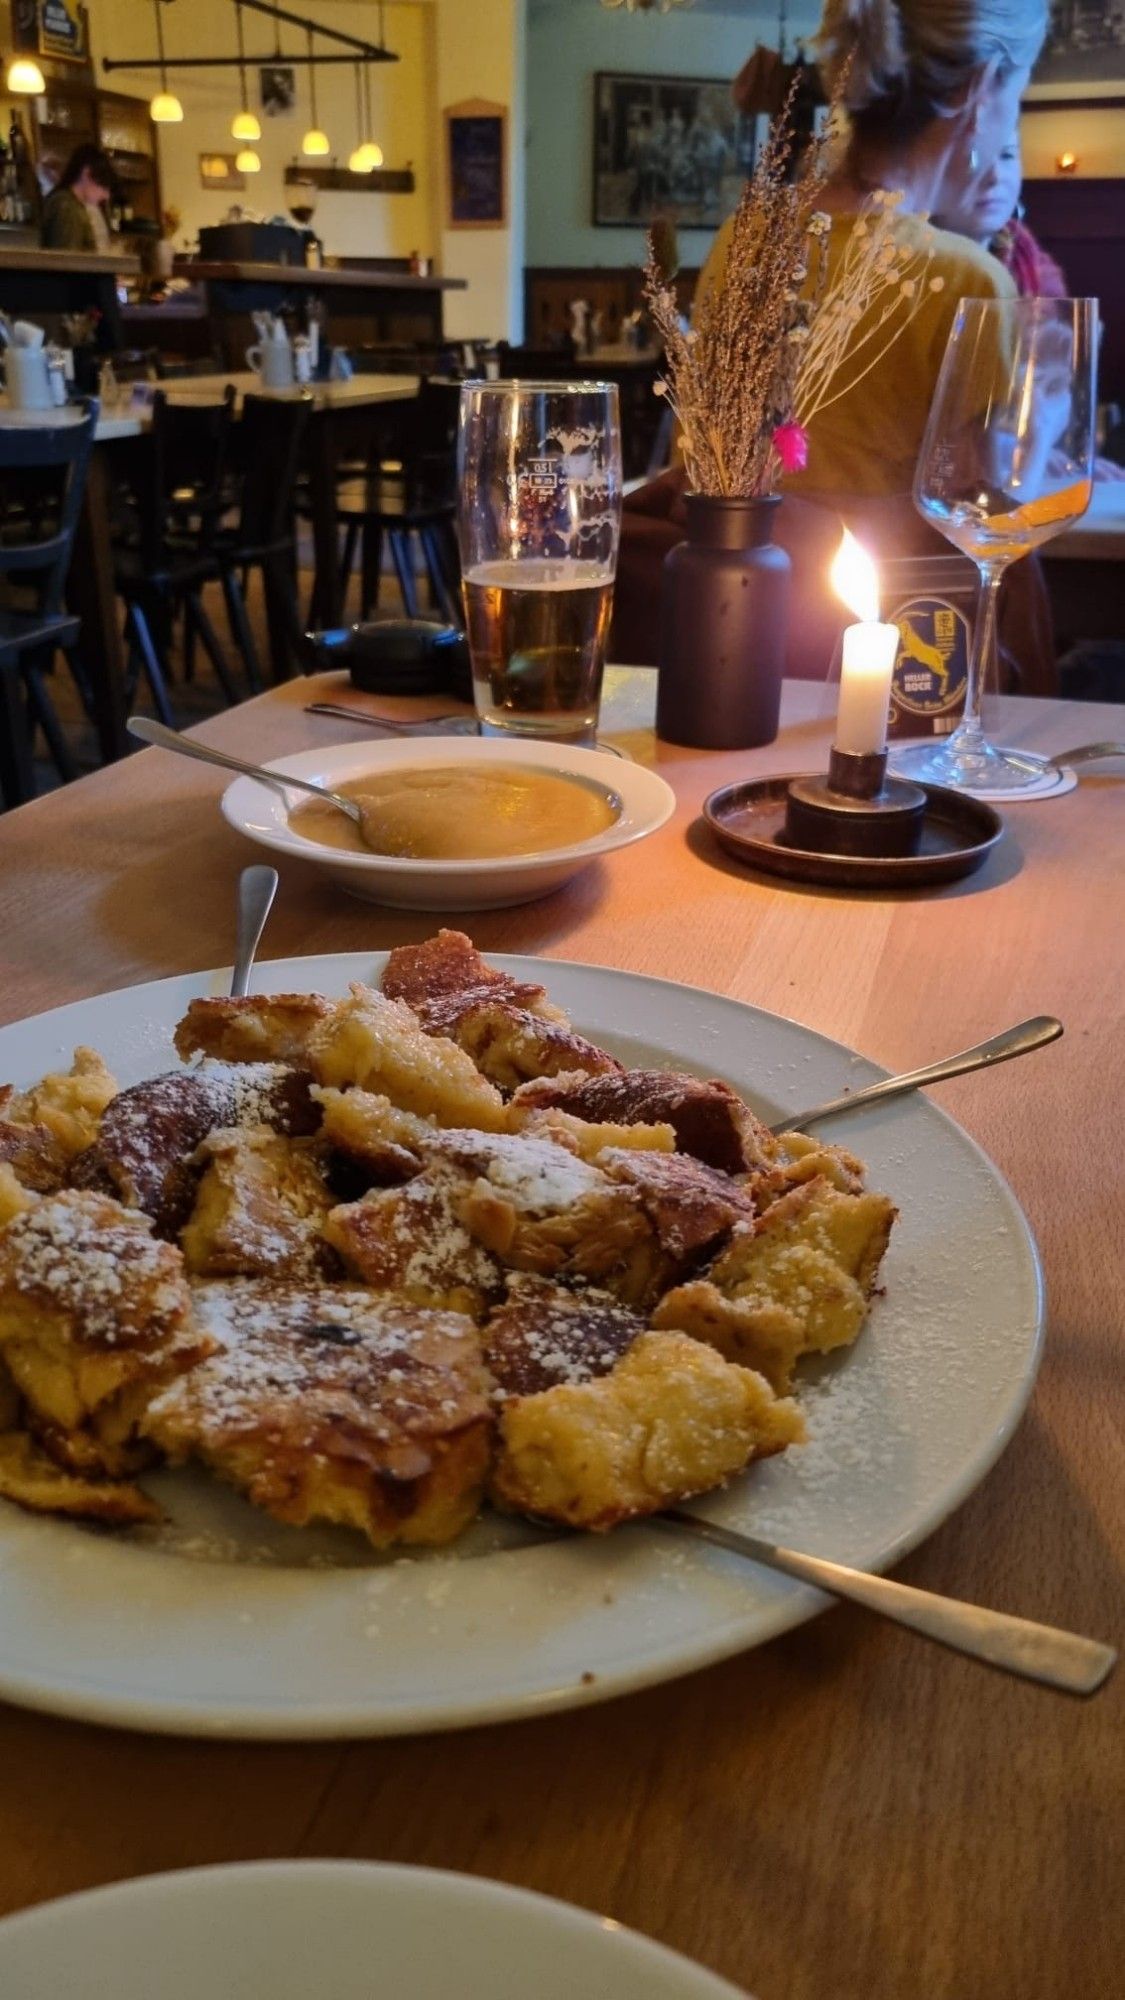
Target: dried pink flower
column 791, row 443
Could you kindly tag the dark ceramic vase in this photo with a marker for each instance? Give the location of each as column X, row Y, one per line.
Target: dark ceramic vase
column 723, row 629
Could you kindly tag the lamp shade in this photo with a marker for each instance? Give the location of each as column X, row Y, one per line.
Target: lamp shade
column 247, row 161
column 166, row 109
column 365, row 158
column 315, row 143
column 244, row 125
column 25, row 78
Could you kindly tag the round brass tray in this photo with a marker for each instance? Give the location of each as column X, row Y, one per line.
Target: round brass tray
column 958, row 834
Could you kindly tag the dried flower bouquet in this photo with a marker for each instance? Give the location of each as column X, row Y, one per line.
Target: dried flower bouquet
column 781, row 336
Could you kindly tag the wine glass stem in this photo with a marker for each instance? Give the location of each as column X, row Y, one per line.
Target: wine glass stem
column 983, row 654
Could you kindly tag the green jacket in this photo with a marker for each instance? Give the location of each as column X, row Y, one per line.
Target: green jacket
column 66, row 224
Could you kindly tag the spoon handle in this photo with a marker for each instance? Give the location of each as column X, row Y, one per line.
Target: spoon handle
column 147, row 731
column 257, row 888
column 1042, row 1653
column 1089, row 753
column 1017, row 1041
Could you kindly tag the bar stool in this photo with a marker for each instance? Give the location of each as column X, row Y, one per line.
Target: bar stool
column 48, row 467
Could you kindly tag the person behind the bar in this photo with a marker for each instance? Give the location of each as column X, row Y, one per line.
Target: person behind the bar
column 71, row 213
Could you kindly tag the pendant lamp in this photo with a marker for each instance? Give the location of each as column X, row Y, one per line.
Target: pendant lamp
column 244, row 124
column 25, row 78
column 165, row 108
column 315, row 143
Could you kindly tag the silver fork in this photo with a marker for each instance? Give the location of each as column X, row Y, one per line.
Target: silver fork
column 395, row 725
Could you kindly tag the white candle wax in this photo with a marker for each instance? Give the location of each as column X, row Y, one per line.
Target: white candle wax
column 865, row 687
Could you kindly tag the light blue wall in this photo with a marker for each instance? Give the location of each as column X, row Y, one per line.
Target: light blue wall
column 567, row 42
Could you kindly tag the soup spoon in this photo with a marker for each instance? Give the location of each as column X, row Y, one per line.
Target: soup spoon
column 1017, row 1041
column 147, row 731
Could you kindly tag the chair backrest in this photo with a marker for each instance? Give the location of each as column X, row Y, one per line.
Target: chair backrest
column 191, row 444
column 434, row 416
column 270, row 439
column 537, row 364
column 188, row 455
column 43, row 474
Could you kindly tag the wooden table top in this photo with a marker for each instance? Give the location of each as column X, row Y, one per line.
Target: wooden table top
column 80, row 263
column 358, row 392
column 847, row 1813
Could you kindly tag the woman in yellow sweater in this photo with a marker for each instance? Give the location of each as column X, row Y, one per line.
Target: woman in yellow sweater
column 932, row 90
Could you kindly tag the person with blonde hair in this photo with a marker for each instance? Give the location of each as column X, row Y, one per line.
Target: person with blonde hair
column 931, row 90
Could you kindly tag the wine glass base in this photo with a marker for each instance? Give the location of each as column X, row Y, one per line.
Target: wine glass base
column 975, row 767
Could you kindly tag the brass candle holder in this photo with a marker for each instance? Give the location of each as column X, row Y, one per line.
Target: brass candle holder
column 855, row 809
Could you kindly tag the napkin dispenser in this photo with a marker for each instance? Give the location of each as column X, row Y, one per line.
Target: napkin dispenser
column 399, row 656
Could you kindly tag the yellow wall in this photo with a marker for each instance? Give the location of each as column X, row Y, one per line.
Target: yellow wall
column 479, row 53
column 1098, row 138
column 449, row 49
column 359, row 224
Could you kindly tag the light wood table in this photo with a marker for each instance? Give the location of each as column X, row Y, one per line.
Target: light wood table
column 847, row 1813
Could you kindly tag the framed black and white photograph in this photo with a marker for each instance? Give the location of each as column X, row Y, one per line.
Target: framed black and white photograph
column 277, row 83
column 665, row 145
column 1084, row 54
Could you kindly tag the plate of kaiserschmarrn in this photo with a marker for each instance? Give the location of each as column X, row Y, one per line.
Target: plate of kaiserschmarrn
column 353, row 1334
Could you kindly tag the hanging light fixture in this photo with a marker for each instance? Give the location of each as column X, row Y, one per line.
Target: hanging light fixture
column 25, row 78
column 244, row 124
column 367, row 154
column 247, row 162
column 315, row 143
column 164, row 109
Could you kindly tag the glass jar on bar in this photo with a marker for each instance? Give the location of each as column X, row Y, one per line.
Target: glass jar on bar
column 539, row 519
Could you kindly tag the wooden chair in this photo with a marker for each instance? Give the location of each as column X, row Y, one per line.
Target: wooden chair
column 408, row 504
column 43, row 474
column 164, row 552
column 269, row 441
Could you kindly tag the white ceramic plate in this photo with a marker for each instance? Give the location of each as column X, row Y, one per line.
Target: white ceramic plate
column 339, row 1930
column 259, row 812
column 227, row 1623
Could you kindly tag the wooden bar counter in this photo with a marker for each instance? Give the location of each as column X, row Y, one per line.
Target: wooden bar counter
column 359, row 303
column 847, row 1813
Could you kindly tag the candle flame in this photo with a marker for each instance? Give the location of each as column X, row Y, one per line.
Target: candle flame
column 855, row 579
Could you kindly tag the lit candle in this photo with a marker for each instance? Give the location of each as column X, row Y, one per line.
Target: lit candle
column 870, row 649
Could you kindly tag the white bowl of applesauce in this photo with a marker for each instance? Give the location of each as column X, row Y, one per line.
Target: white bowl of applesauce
column 453, row 824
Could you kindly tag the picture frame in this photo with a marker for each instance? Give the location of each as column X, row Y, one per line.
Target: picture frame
column 277, row 89
column 476, row 165
column 675, row 146
column 1083, row 61
column 219, row 174
column 57, row 29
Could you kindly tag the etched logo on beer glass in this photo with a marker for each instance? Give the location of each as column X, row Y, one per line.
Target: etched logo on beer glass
column 539, row 468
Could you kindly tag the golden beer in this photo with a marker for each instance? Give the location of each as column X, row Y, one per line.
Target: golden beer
column 537, row 636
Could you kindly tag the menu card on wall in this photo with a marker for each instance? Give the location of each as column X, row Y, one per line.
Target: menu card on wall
column 476, row 165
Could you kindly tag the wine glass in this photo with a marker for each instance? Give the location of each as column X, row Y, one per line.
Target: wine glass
column 539, row 476
column 1006, row 462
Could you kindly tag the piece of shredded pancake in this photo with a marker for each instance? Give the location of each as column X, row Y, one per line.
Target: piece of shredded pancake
column 371, row 1259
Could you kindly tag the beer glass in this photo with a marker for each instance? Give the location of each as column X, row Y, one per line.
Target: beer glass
column 539, row 480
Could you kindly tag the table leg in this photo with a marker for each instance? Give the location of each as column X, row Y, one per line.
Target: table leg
column 90, row 593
